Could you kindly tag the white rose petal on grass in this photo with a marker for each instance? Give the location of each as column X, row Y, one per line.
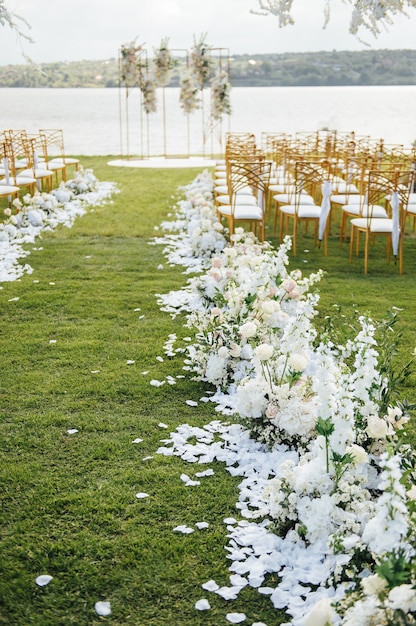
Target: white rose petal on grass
column 138, row 440
column 103, row 608
column 208, row 472
column 159, row 358
column 72, row 431
column 259, row 624
column 230, row 520
column 162, row 425
column 52, row 340
column 141, row 495
column 13, row 299
column 185, row 530
column 137, row 310
column 236, row 618
column 202, row 605
column 157, row 383
column 191, row 403
column 202, row 525
column 130, row 362
column 95, row 371
column 141, row 317
column 160, row 267
column 43, row 580
column 147, row 458
column 210, row 585
column 144, row 373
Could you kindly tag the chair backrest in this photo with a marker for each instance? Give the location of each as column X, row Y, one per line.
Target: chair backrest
column 54, row 138
column 393, row 186
column 254, row 174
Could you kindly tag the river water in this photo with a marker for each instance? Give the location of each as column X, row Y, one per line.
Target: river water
column 106, row 122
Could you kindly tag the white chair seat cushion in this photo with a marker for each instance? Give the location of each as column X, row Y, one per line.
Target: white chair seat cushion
column 345, row 199
column 38, row 172
column 239, row 199
column 279, row 188
column 242, row 211
column 366, row 211
column 376, row 225
column 54, row 166
column 19, row 181
column 288, row 198
column 6, row 189
column 64, row 161
column 344, row 187
column 223, row 191
column 304, row 211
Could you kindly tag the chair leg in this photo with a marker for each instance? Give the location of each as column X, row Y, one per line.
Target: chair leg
column 367, row 246
column 295, row 234
column 351, row 242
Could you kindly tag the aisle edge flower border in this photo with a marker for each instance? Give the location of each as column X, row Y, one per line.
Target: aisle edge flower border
column 28, row 218
column 317, row 438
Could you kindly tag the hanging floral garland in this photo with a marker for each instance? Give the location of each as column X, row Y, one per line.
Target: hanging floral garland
column 220, row 95
column 200, row 62
column 372, row 15
column 188, row 97
column 148, row 88
column 163, row 64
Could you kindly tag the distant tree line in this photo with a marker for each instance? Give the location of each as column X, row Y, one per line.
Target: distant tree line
column 367, row 67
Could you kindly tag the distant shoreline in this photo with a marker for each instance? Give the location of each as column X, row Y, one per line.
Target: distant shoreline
column 364, row 68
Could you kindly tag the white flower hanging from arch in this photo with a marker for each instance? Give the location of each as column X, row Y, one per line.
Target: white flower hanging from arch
column 163, row 63
column 372, row 15
column 188, row 97
column 220, row 95
column 200, row 61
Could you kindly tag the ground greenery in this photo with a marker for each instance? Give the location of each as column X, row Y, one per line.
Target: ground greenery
column 68, row 505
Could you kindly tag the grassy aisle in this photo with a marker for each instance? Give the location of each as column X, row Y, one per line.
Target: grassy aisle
column 68, row 505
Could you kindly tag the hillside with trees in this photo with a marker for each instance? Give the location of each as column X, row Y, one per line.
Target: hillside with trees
column 367, row 67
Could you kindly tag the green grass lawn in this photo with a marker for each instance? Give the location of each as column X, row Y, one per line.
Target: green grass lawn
column 68, row 505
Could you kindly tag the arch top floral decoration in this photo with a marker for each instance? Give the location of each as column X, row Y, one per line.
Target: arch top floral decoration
column 370, row 15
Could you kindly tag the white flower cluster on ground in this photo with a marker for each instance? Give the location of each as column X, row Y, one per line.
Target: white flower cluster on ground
column 41, row 212
column 327, row 497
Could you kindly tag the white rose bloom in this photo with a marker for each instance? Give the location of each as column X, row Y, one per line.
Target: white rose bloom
column 359, row 454
column 376, row 427
column 248, row 329
column 403, row 598
column 264, row 351
column 373, row 585
column 235, row 350
column 411, row 494
column 297, row 362
column 223, row 352
column 320, row 615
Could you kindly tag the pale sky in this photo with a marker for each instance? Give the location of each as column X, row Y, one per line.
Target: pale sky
column 71, row 30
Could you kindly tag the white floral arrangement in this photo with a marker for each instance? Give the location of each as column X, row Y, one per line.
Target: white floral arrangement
column 220, row 95
column 200, row 61
column 131, row 66
column 189, row 93
column 163, row 64
column 328, row 495
column 84, row 181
